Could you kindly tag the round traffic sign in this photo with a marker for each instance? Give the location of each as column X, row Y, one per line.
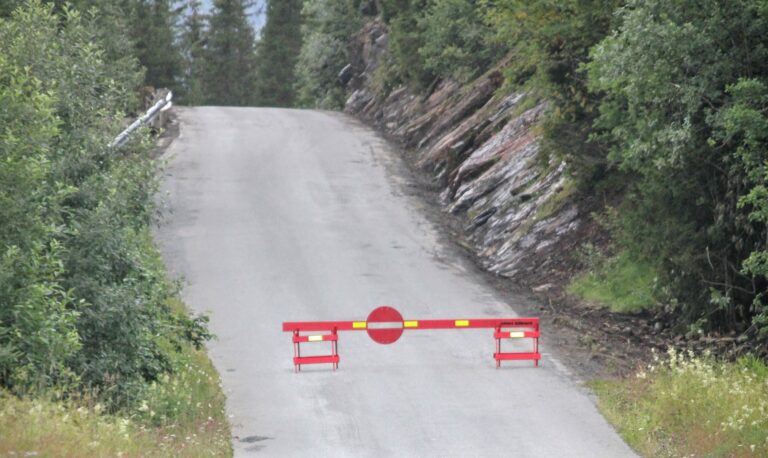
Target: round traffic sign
column 385, row 325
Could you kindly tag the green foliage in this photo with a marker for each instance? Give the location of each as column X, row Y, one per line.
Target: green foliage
column 427, row 39
column 230, row 57
column 38, row 333
column 278, row 50
column 744, row 124
column 620, row 283
column 83, row 292
column 180, row 415
column 686, row 405
column 37, row 329
column 406, row 38
column 456, row 40
column 328, row 26
column 674, row 75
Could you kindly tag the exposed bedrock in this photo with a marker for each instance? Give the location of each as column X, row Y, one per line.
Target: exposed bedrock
column 481, row 145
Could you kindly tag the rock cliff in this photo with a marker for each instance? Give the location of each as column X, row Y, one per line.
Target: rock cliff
column 480, row 143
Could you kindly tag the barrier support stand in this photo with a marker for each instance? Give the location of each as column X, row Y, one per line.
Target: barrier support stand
column 531, row 333
column 299, row 360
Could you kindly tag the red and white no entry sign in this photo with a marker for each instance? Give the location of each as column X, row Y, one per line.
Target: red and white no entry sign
column 385, row 325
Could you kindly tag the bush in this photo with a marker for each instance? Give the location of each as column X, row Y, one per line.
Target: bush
column 83, row 292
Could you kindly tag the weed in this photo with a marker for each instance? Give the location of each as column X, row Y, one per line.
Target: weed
column 687, row 405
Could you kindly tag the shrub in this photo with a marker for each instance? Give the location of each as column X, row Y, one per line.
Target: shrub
column 83, row 292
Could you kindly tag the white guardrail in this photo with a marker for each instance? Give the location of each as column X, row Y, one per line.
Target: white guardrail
column 162, row 105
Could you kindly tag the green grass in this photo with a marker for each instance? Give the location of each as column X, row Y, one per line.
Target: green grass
column 181, row 415
column 683, row 405
column 621, row 283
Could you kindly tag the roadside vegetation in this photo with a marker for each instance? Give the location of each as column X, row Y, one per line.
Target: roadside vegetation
column 686, row 405
column 620, row 283
column 97, row 354
column 182, row 414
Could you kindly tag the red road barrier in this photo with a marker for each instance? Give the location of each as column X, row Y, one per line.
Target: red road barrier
column 385, row 325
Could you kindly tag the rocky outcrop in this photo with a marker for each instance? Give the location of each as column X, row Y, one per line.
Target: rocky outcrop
column 482, row 147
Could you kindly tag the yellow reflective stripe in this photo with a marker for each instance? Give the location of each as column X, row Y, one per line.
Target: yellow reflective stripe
column 315, row 338
column 517, row 334
column 410, row 324
column 461, row 323
column 359, row 325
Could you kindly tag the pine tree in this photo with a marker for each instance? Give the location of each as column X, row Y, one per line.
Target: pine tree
column 193, row 42
column 230, row 55
column 153, row 30
column 278, row 51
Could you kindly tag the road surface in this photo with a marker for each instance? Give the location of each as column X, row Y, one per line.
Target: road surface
column 286, row 215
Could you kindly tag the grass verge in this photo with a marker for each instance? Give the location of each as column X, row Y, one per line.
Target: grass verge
column 683, row 405
column 621, row 283
column 181, row 415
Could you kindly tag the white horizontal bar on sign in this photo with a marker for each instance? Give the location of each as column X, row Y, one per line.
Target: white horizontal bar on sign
column 385, row 325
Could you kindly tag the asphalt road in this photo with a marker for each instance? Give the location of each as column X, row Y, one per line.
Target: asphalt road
column 285, row 215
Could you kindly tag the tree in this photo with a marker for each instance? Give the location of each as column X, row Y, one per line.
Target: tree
column 677, row 78
column 407, row 37
column 278, row 50
column 230, row 55
column 457, row 41
column 153, row 32
column 328, row 27
column 193, row 42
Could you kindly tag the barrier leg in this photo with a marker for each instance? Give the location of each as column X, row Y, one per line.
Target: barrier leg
column 335, row 349
column 296, row 351
column 299, row 360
